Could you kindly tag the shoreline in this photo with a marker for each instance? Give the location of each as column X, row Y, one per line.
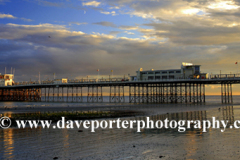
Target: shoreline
column 148, row 109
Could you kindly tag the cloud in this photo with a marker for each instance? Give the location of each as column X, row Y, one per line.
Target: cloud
column 25, row 19
column 223, row 5
column 173, row 10
column 114, row 32
column 13, row 17
column 105, row 23
column 7, row 16
column 77, row 23
column 114, row 7
column 59, row 4
column 128, row 27
column 2, row 2
column 186, row 33
column 91, row 3
column 141, row 14
column 44, row 25
column 113, row 13
column 144, row 30
column 128, row 32
column 47, row 3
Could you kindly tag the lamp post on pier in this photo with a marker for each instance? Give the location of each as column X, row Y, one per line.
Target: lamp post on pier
column 112, row 73
column 98, row 74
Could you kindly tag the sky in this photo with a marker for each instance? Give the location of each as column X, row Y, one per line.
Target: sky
column 75, row 38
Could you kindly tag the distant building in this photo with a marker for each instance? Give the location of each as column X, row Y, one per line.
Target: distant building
column 187, row 71
column 60, row 81
column 6, row 79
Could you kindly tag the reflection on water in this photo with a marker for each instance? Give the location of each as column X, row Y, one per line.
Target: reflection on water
column 8, row 142
column 15, row 105
column 65, row 141
column 227, row 114
column 127, row 143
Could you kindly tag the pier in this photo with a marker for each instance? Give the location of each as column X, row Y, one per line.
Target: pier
column 139, row 91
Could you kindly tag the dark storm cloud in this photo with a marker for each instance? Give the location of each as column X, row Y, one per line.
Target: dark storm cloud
column 186, row 33
column 230, row 15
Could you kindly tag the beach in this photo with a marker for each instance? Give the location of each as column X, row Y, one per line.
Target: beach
column 122, row 143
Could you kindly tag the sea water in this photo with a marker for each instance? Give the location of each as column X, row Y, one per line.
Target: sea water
column 127, row 143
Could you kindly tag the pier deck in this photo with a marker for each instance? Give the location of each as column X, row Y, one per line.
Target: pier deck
column 151, row 91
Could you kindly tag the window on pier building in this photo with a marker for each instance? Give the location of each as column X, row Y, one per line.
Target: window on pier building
column 157, row 77
column 150, row 77
column 164, row 77
column 197, row 69
column 150, row 72
column 164, row 72
column 171, row 71
column 178, row 71
column 171, row 77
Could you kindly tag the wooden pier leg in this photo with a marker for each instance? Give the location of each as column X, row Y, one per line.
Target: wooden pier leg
column 190, row 94
column 222, row 92
column 194, row 95
column 77, row 94
column 110, row 96
column 167, row 93
column 197, row 92
column 186, row 92
column 81, row 94
column 171, row 93
column 135, row 92
column 53, row 94
column 48, row 93
column 228, row 92
column 147, row 95
column 204, row 93
column 72, row 94
column 116, row 91
column 200, row 93
column 231, row 93
column 101, row 96
column 163, row 93
column 225, row 92
column 176, row 93
column 67, row 94
column 139, row 96
column 62, row 94
column 123, row 94
column 58, row 95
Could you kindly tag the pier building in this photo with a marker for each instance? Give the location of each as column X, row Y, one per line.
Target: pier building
column 6, row 79
column 60, row 81
column 187, row 71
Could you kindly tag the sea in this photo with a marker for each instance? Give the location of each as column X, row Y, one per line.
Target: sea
column 120, row 144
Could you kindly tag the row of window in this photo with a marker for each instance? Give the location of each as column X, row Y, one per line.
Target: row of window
column 160, row 77
column 163, row 72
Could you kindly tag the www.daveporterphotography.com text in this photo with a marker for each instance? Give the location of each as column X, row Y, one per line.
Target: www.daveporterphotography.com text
column 180, row 125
